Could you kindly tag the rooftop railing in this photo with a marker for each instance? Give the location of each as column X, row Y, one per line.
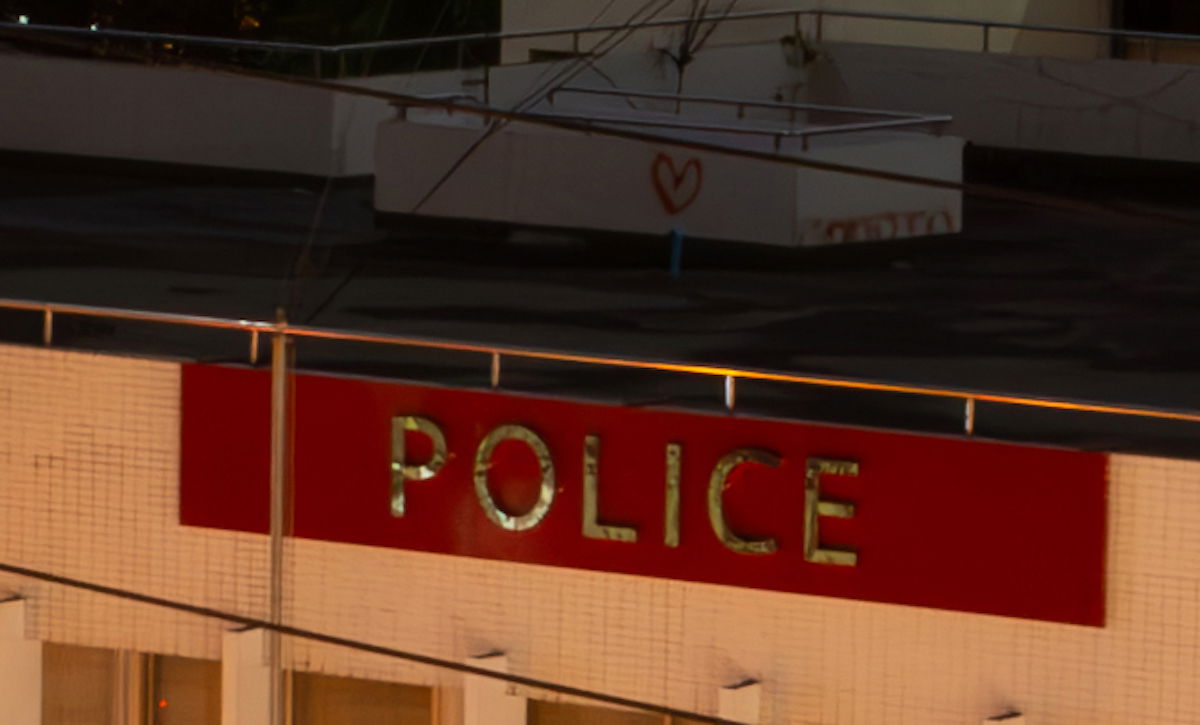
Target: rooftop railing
column 333, row 59
column 792, row 112
column 494, row 357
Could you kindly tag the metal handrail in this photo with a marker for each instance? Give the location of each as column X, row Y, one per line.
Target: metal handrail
column 975, row 22
column 166, row 37
column 575, row 32
column 495, row 353
column 740, row 103
column 777, row 133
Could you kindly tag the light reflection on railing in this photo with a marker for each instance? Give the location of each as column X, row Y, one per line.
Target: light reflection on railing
column 887, row 120
column 496, row 353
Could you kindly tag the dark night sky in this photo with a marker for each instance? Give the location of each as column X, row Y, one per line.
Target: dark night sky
column 310, row 20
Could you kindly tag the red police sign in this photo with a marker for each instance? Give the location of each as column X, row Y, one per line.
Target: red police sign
column 834, row 511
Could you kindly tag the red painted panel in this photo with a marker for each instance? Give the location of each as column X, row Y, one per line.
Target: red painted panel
column 940, row 522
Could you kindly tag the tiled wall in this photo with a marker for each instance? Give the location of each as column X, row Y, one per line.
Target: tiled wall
column 88, row 488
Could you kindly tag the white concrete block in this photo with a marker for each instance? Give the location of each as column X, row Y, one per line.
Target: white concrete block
column 487, row 701
column 740, row 702
column 20, row 668
column 245, row 678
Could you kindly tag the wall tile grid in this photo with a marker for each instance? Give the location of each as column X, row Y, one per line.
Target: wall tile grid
column 89, row 458
column 88, row 480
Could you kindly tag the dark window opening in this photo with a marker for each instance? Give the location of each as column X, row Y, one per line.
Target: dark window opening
column 1160, row 16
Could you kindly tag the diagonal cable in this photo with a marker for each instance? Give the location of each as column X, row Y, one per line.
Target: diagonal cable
column 358, row 645
column 531, row 99
column 984, row 191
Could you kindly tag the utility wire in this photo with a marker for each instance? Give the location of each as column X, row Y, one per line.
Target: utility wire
column 354, row 644
column 303, row 266
column 579, row 64
column 548, row 120
column 531, row 99
column 984, row 191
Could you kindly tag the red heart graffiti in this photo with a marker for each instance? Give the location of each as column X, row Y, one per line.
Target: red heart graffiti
column 677, row 188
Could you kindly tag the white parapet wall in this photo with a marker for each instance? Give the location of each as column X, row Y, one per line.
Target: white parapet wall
column 522, row 15
column 121, row 110
column 1013, row 96
column 162, row 114
column 129, row 111
column 1097, row 107
column 537, row 176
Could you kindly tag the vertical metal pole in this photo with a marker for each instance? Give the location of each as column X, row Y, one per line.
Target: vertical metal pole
column 47, row 326
column 279, row 490
column 133, row 687
column 969, row 416
column 254, row 347
column 1118, row 43
column 987, row 42
column 730, row 392
column 495, row 376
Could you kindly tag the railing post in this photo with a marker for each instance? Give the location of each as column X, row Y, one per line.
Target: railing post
column 495, row 372
column 969, row 416
column 254, row 347
column 280, row 455
column 730, row 392
column 575, row 42
column 987, row 41
column 47, row 327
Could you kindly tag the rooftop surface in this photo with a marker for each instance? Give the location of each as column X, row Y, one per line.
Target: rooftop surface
column 1025, row 301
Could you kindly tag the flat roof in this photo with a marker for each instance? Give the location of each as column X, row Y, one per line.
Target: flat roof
column 1025, row 301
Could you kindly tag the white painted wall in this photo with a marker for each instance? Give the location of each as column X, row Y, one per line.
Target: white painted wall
column 532, row 175
column 148, row 113
column 545, row 177
column 184, row 116
column 120, row 110
column 163, row 114
column 88, row 458
column 534, row 14
column 1098, row 107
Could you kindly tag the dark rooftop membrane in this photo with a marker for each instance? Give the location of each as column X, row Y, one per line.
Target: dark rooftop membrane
column 1026, row 301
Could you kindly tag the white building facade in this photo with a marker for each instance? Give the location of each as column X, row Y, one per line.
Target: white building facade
column 91, row 490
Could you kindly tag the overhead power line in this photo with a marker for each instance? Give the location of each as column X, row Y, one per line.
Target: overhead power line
column 358, row 645
column 559, row 79
column 984, row 191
